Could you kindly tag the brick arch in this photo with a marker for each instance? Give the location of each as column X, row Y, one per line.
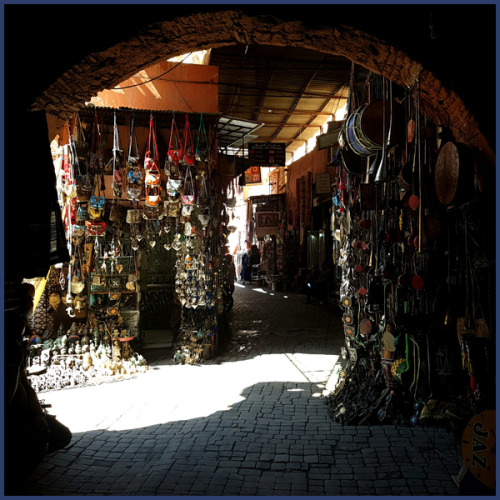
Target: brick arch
column 104, row 70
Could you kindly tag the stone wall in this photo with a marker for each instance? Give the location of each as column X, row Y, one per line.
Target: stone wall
column 105, row 69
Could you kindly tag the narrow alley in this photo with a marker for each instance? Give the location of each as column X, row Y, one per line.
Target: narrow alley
column 251, row 421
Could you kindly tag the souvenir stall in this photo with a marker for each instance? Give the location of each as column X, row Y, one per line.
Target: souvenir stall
column 269, row 225
column 142, row 215
column 410, row 218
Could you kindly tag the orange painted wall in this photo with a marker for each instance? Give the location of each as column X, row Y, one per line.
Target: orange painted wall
column 315, row 162
column 190, row 88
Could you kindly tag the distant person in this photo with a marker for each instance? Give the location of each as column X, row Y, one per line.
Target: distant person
column 246, row 267
column 230, row 272
column 254, row 255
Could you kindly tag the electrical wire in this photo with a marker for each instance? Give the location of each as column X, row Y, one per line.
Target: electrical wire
column 152, row 79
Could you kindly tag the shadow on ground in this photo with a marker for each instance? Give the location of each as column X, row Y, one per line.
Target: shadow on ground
column 278, row 440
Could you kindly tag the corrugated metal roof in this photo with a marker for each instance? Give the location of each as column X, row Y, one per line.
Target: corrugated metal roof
column 291, row 91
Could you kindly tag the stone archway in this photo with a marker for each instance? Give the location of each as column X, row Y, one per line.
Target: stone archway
column 105, row 69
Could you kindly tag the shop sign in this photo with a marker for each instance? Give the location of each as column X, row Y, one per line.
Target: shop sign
column 323, row 183
column 267, row 223
column 267, row 154
column 268, row 219
column 253, row 176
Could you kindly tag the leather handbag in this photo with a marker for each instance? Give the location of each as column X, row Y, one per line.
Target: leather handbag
column 174, row 153
column 152, row 213
column 151, row 158
column 173, row 209
column 97, row 202
column 82, row 213
column 174, row 187
column 134, row 191
column 95, row 228
column 84, row 187
column 133, row 216
column 152, row 196
column 115, row 212
column 188, row 195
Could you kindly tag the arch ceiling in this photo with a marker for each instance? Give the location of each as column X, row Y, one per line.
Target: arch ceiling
column 242, row 45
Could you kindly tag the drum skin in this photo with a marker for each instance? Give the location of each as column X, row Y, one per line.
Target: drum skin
column 454, row 174
column 373, row 121
column 367, row 127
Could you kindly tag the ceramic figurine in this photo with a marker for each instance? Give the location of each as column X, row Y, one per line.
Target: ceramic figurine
column 85, row 337
column 97, row 336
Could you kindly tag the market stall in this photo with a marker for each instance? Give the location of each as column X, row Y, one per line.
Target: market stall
column 410, row 222
column 143, row 211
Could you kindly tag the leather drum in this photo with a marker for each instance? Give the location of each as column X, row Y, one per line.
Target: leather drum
column 454, row 174
column 364, row 129
column 372, row 122
column 355, row 136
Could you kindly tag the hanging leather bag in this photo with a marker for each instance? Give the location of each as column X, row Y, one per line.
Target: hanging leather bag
column 188, row 195
column 174, row 153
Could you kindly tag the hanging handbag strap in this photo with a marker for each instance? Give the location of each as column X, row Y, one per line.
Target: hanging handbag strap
column 188, row 140
column 116, row 144
column 204, row 189
column 133, row 138
column 74, row 155
column 78, row 270
column 174, row 134
column 152, row 135
column 96, row 137
column 200, row 129
column 79, row 129
column 190, row 175
column 99, row 186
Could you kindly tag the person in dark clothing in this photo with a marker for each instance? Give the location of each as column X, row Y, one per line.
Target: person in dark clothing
column 30, row 433
column 254, row 256
column 317, row 284
column 246, row 267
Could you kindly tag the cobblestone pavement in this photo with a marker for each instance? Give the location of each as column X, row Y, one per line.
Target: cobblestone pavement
column 251, row 421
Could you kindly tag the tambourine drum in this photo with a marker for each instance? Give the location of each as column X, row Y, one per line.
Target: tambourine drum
column 365, row 131
column 372, row 121
column 454, row 173
column 355, row 136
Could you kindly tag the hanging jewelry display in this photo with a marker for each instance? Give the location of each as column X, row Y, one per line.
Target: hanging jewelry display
column 152, row 173
column 116, row 184
column 193, row 240
column 134, row 170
